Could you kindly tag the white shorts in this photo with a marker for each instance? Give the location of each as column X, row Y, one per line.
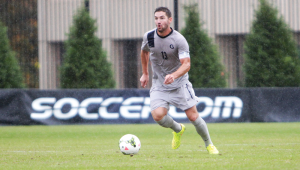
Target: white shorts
column 182, row 98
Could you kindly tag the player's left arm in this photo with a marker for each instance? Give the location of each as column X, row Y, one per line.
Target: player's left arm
column 184, row 68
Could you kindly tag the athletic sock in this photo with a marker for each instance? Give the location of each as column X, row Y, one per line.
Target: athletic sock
column 202, row 130
column 168, row 122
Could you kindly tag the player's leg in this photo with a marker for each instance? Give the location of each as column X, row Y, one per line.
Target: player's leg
column 186, row 100
column 199, row 124
column 159, row 110
column 201, row 129
column 160, row 115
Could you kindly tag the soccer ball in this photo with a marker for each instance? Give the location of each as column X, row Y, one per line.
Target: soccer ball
column 129, row 144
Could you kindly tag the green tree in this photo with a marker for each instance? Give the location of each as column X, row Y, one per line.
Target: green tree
column 85, row 64
column 20, row 18
column 206, row 68
column 271, row 57
column 10, row 74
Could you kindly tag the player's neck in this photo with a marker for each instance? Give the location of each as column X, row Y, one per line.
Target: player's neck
column 165, row 33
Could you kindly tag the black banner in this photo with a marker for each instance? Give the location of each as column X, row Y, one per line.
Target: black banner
column 55, row 107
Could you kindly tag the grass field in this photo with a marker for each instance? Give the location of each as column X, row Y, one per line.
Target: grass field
column 241, row 146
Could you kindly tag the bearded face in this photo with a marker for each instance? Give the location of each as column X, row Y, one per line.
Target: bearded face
column 162, row 22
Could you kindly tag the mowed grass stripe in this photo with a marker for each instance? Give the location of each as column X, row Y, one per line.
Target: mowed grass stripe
column 241, row 146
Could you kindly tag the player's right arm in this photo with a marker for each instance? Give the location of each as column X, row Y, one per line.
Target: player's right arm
column 144, row 59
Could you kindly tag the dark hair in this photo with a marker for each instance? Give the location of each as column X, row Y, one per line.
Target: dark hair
column 164, row 9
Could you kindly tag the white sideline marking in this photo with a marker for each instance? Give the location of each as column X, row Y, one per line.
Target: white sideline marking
column 262, row 144
column 33, row 151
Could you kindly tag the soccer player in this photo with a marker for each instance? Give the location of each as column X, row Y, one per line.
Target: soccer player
column 170, row 61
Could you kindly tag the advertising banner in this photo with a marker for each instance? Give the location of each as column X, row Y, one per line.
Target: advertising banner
column 58, row 107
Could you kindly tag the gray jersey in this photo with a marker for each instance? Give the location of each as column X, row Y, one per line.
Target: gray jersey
column 164, row 57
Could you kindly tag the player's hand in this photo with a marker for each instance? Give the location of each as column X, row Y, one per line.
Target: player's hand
column 144, row 80
column 169, row 79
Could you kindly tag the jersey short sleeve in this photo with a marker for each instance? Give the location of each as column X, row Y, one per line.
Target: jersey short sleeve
column 145, row 46
column 183, row 46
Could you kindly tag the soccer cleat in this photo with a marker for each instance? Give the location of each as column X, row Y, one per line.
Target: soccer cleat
column 177, row 137
column 212, row 149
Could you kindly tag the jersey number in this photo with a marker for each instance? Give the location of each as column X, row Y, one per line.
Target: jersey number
column 164, row 55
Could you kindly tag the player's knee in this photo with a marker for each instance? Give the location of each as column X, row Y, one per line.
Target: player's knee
column 193, row 117
column 158, row 114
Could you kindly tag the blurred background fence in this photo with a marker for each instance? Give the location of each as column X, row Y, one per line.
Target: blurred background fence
column 37, row 30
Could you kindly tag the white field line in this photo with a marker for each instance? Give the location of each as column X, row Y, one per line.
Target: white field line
column 35, row 151
column 244, row 144
column 258, row 144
